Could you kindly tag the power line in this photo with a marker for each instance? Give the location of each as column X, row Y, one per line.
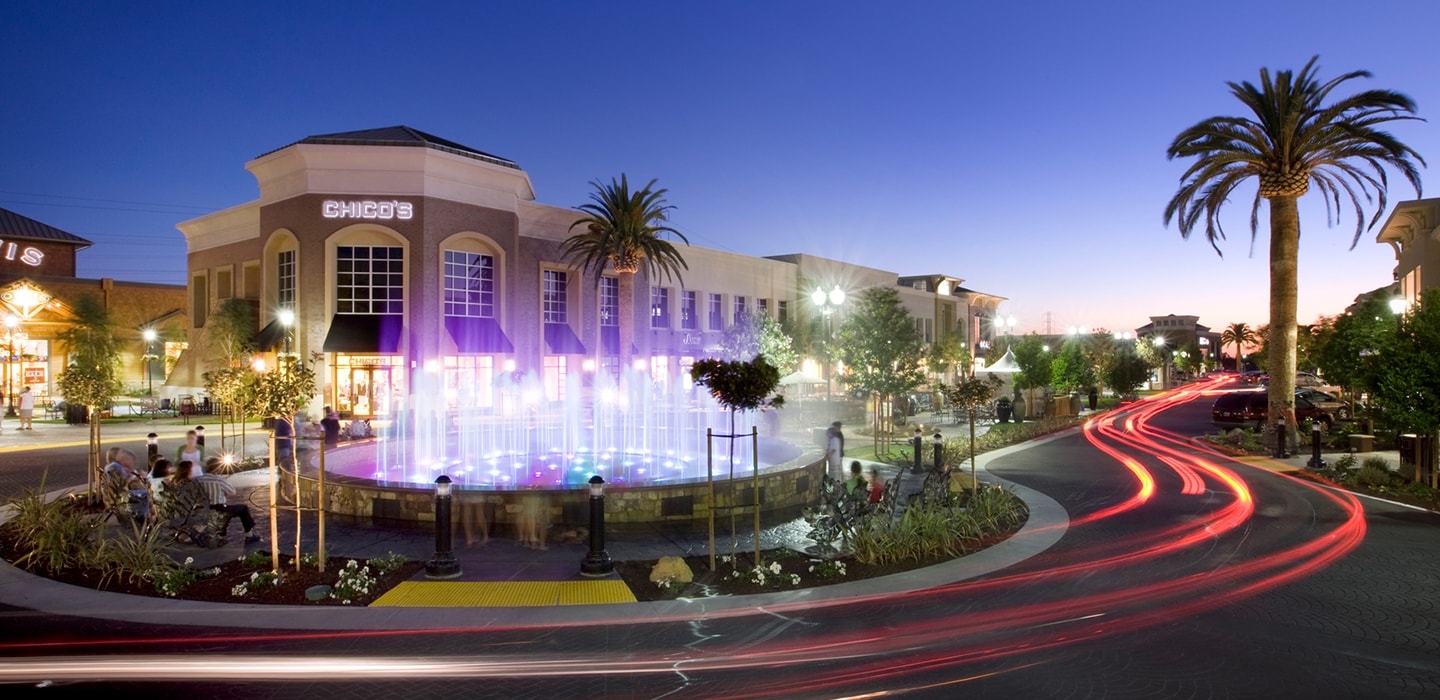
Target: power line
column 111, row 201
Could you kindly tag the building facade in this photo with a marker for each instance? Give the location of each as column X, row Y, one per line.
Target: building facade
column 399, row 252
column 38, row 291
column 1413, row 233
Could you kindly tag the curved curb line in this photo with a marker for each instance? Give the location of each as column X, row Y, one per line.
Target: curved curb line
column 1046, row 524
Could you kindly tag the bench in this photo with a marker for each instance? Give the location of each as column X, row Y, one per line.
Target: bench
column 1362, row 443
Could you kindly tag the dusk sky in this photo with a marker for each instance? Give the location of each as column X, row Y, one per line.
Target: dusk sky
column 1021, row 148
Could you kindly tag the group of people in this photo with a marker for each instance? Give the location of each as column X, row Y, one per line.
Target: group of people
column 835, row 456
column 184, row 484
column 25, row 407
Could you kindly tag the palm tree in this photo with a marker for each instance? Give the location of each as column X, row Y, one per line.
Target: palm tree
column 1292, row 140
column 1239, row 334
column 623, row 229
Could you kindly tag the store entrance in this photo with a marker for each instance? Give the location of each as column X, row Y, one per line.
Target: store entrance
column 366, row 387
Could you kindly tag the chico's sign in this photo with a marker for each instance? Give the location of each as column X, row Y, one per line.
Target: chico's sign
column 367, row 209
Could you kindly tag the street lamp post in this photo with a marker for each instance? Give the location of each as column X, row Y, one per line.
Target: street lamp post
column 149, row 359
column 828, row 302
column 11, row 323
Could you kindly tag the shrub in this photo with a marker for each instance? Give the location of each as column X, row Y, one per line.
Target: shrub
column 51, row 535
column 1374, row 472
column 171, row 582
column 388, row 563
column 138, row 558
column 257, row 580
column 936, row 527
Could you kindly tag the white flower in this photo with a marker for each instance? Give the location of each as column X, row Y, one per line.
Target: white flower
column 189, row 561
column 775, row 566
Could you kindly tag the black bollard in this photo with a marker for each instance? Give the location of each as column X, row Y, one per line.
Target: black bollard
column 1316, row 462
column 200, row 436
column 152, row 447
column 939, row 442
column 1279, row 439
column 443, row 564
column 918, row 443
column 597, row 562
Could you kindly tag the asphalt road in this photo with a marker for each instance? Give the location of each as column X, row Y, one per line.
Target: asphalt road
column 1182, row 575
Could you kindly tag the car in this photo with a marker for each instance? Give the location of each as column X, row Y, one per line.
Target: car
column 1255, row 376
column 1241, row 409
column 1331, row 404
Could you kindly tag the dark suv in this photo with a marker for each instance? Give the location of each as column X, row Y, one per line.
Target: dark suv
column 1242, row 409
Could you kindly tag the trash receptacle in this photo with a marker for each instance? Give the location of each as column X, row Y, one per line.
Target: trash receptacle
column 1417, row 457
column 75, row 414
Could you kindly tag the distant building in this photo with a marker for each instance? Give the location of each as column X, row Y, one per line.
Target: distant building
column 1411, row 232
column 399, row 251
column 38, row 289
column 1180, row 332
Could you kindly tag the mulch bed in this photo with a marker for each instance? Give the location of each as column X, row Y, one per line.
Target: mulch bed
column 708, row 583
column 218, row 588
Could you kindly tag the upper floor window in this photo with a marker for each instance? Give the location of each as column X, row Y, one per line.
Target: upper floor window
column 369, row 279
column 739, row 309
column 555, row 298
column 716, row 312
column 659, row 307
column 469, row 284
column 763, row 306
column 689, row 315
column 782, row 311
column 609, row 301
column 285, row 279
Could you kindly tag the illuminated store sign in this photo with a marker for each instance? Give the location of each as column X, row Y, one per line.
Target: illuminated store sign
column 366, row 209
column 29, row 255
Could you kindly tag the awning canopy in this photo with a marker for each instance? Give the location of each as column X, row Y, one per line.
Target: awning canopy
column 269, row 337
column 561, row 340
column 477, row 335
column 364, row 333
column 800, row 377
column 610, row 341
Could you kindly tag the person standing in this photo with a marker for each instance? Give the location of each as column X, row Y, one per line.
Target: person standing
column 27, row 410
column 192, row 452
column 835, row 451
column 331, row 424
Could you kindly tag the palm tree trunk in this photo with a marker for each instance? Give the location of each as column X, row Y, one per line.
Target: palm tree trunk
column 1284, row 255
column 626, row 289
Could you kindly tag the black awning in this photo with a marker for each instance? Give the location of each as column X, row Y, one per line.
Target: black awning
column 562, row 340
column 477, row 335
column 364, row 333
column 269, row 337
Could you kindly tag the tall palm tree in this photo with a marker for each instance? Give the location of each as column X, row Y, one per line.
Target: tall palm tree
column 623, row 229
column 1292, row 139
column 1239, row 334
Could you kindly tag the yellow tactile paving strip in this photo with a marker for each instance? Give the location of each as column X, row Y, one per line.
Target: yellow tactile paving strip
column 508, row 594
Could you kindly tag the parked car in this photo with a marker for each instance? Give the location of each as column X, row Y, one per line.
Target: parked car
column 1255, row 376
column 1331, row 404
column 1242, row 409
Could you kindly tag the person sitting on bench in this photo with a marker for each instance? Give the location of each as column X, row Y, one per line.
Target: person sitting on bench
column 218, row 490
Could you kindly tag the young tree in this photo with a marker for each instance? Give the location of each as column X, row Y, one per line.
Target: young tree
column 623, row 229
column 881, row 351
column 1292, row 139
column 1035, row 370
column 1353, row 339
column 738, row 386
column 1408, row 387
column 971, row 393
column 949, row 352
column 91, row 378
column 1072, row 370
column 1127, row 372
column 757, row 334
column 229, row 337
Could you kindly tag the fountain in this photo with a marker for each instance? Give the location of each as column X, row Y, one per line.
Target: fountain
column 647, row 438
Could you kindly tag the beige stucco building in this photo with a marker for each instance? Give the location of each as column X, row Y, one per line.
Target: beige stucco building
column 1413, row 232
column 399, row 252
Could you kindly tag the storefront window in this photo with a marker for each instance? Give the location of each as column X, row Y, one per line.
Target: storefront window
column 469, row 381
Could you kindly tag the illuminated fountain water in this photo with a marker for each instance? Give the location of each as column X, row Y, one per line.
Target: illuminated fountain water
column 632, row 430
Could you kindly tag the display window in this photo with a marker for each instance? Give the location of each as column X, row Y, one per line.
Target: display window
column 369, row 386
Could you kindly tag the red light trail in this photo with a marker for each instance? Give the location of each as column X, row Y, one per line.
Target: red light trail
column 1182, row 542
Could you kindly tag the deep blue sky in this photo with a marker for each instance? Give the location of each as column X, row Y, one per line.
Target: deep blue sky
column 1021, row 148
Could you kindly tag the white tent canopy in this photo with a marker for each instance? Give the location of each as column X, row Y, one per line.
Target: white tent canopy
column 1004, row 365
column 800, row 377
